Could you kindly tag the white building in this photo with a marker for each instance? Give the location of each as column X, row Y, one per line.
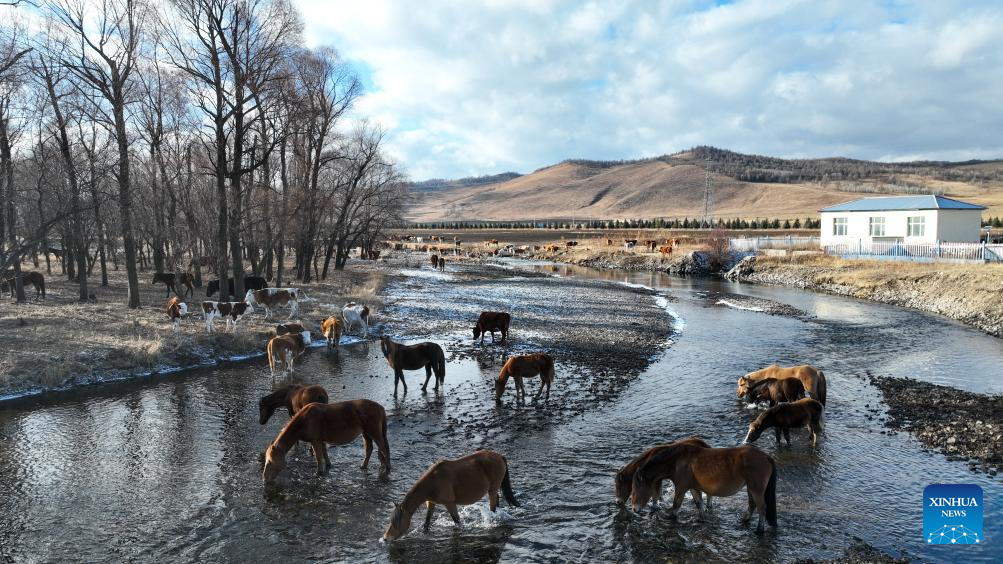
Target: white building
column 901, row 219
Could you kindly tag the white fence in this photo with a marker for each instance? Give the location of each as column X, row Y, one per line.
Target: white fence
column 759, row 243
column 946, row 252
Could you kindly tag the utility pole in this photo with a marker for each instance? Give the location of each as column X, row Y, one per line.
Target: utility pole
column 708, row 196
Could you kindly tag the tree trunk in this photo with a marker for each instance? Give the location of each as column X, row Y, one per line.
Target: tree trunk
column 125, row 190
column 6, row 162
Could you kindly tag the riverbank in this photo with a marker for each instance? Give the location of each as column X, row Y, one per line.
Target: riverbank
column 961, row 425
column 60, row 343
column 969, row 293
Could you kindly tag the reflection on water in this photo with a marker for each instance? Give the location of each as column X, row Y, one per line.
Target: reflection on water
column 170, row 469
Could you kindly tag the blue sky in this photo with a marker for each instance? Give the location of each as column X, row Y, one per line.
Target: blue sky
column 468, row 88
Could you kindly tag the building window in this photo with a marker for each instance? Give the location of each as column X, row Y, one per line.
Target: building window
column 839, row 226
column 916, row 226
column 877, row 227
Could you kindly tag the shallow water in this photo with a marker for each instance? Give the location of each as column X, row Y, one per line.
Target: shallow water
column 170, row 468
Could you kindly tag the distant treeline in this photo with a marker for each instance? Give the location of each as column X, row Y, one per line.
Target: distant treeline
column 759, row 168
column 658, row 223
column 433, row 184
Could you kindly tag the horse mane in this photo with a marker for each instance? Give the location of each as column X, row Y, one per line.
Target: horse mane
column 278, row 396
column 663, row 456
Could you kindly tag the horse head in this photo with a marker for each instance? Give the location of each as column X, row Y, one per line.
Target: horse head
column 756, row 428
column 400, row 522
column 275, row 462
column 477, row 331
column 387, row 346
column 743, row 387
column 622, row 486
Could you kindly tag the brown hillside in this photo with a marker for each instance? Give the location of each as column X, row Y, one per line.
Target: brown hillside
column 674, row 187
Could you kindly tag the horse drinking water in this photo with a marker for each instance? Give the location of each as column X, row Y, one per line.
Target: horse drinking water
column 625, row 477
column 293, row 397
column 449, row 483
column 783, row 417
column 526, row 366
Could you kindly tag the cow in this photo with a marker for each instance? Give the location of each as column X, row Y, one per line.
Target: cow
column 169, row 280
column 629, row 243
column 288, row 328
column 286, row 349
column 35, row 278
column 356, row 314
column 250, row 283
column 232, row 311
column 665, row 249
column 272, row 297
column 176, row 309
column 331, row 329
column 491, row 321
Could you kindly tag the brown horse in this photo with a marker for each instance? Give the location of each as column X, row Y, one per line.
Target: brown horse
column 783, row 417
column 720, row 472
column 414, row 357
column 812, row 378
column 285, row 349
column 294, row 397
column 35, row 278
column 337, row 423
column 775, row 391
column 435, row 262
column 331, row 329
column 491, row 321
column 462, row 481
column 625, row 477
column 526, row 366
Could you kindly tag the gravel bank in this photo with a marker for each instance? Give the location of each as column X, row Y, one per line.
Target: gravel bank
column 971, row 294
column 962, row 425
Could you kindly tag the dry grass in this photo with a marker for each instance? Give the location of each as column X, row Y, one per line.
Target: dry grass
column 56, row 340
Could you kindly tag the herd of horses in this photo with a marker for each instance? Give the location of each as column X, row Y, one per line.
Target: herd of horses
column 796, row 396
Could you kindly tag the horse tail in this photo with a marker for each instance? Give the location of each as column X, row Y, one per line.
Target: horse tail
column 440, row 367
column 821, row 387
column 507, row 487
column 771, row 495
column 271, row 357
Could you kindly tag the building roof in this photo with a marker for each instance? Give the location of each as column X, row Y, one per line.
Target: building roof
column 902, row 203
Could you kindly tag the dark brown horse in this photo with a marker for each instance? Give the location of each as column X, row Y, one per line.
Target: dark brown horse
column 491, row 321
column 449, row 483
column 293, row 397
column 720, row 472
column 338, row 423
column 775, row 391
column 172, row 282
column 783, row 417
column 36, row 279
column 526, row 366
column 625, row 477
column 414, row 357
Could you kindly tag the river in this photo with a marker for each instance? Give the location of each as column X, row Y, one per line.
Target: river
column 169, row 468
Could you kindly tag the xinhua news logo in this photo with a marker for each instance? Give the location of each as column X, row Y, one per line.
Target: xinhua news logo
column 952, row 514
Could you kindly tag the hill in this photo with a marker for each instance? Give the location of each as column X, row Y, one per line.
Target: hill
column 673, row 186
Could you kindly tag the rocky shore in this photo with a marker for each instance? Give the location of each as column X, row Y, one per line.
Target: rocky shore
column 962, row 425
column 971, row 294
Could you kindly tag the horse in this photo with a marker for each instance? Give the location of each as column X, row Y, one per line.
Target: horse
column 331, row 329
column 783, row 417
column 413, row 357
column 287, row 328
column 449, row 483
column 775, row 391
column 625, row 476
column 526, row 366
column 338, row 423
column 720, row 472
column 491, row 321
column 171, row 281
column 293, row 396
column 435, row 262
column 285, row 349
column 35, row 278
column 812, row 378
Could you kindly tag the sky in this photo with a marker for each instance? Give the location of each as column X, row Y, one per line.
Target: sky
column 468, row 88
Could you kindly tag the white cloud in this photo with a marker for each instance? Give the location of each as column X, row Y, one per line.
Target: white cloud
column 473, row 88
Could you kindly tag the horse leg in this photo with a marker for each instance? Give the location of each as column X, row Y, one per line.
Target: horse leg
column 451, row 507
column 368, row 444
column 428, row 376
column 677, row 501
column 698, row 500
column 400, row 374
column 540, row 391
column 493, row 499
column 776, row 431
column 657, row 496
column 428, row 515
column 319, row 453
column 752, row 505
column 787, row 436
column 760, row 499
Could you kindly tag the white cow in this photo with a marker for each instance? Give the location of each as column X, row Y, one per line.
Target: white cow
column 356, row 314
